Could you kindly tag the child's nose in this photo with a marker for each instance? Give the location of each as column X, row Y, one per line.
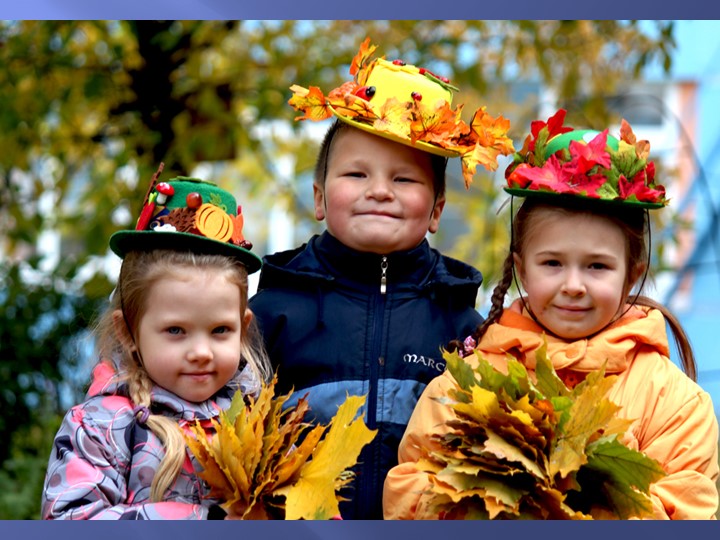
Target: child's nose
column 574, row 284
column 379, row 187
column 200, row 351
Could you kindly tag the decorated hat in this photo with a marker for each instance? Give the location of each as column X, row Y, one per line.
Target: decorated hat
column 410, row 105
column 188, row 214
column 557, row 160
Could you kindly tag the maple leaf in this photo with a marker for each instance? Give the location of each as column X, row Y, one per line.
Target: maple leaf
column 543, row 131
column 586, row 156
column 392, row 117
column 311, row 101
column 261, row 450
column 364, row 53
column 552, row 176
column 313, row 495
column 434, row 124
column 487, row 140
column 637, row 190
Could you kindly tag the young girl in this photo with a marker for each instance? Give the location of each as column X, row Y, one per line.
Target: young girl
column 175, row 344
column 578, row 248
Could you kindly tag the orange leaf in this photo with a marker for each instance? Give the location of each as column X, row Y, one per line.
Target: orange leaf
column 237, row 234
column 365, row 52
column 310, row 101
column 434, row 124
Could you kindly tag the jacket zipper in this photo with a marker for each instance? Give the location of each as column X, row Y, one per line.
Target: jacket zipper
column 383, row 275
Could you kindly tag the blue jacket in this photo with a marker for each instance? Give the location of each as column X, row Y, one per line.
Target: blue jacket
column 331, row 331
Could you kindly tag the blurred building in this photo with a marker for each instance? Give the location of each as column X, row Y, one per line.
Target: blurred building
column 690, row 124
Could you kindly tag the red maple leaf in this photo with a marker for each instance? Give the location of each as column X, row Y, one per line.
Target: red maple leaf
column 586, row 156
column 637, row 189
column 554, row 126
column 588, row 185
column 550, row 177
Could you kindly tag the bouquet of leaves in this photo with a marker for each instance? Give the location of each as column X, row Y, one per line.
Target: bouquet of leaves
column 258, row 465
column 524, row 449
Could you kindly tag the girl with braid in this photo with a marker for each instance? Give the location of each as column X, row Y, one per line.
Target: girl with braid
column 579, row 251
column 175, row 345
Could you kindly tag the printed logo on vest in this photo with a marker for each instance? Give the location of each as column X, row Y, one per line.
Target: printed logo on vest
column 431, row 363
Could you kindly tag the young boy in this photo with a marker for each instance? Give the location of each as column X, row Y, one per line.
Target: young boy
column 365, row 307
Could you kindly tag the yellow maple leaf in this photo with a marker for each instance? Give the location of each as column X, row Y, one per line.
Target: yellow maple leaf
column 392, row 117
column 255, row 456
column 310, row 101
column 313, row 495
column 590, row 409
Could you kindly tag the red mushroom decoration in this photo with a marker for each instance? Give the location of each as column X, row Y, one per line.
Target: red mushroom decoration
column 149, row 204
column 164, row 190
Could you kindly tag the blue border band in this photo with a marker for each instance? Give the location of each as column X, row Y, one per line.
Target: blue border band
column 315, row 9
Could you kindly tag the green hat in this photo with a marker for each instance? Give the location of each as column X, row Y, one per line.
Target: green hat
column 559, row 161
column 188, row 214
column 410, row 105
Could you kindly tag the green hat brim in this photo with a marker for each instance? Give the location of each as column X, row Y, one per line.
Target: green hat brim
column 420, row 145
column 551, row 195
column 123, row 242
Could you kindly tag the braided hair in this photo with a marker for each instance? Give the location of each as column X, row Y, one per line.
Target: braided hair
column 635, row 226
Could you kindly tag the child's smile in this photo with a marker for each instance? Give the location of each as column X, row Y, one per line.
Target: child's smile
column 189, row 335
column 378, row 195
column 574, row 271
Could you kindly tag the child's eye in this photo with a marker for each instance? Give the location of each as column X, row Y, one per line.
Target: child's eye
column 598, row 266
column 174, row 330
column 222, row 330
column 404, row 179
column 551, row 262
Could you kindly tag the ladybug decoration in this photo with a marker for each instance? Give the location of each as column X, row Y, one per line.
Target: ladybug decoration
column 424, row 71
column 365, row 92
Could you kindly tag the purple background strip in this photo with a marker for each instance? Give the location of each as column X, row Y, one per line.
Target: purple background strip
column 325, row 9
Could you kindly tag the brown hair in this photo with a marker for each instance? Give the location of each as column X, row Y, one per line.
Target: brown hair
column 139, row 271
column 634, row 224
column 438, row 163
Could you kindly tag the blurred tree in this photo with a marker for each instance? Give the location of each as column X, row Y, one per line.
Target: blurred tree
column 90, row 108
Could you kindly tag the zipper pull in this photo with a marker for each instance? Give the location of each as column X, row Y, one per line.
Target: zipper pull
column 383, row 275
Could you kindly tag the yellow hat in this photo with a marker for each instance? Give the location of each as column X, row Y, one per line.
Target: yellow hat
column 410, row 105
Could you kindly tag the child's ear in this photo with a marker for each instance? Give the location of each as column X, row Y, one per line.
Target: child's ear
column 435, row 214
column 319, row 197
column 121, row 331
column 247, row 319
column 635, row 274
column 519, row 270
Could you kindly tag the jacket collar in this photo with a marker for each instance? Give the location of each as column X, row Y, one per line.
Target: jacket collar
column 640, row 328
column 326, row 258
column 107, row 381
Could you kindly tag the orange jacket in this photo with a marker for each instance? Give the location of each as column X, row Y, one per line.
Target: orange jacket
column 674, row 418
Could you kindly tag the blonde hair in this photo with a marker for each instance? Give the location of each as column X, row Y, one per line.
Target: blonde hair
column 139, row 272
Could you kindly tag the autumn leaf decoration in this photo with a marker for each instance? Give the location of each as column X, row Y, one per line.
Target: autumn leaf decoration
column 411, row 120
column 519, row 449
column 257, row 463
column 594, row 170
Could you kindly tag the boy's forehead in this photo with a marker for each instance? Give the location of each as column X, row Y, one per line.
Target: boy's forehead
column 356, row 136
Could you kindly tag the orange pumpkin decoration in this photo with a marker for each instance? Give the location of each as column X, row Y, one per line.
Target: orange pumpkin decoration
column 214, row 223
